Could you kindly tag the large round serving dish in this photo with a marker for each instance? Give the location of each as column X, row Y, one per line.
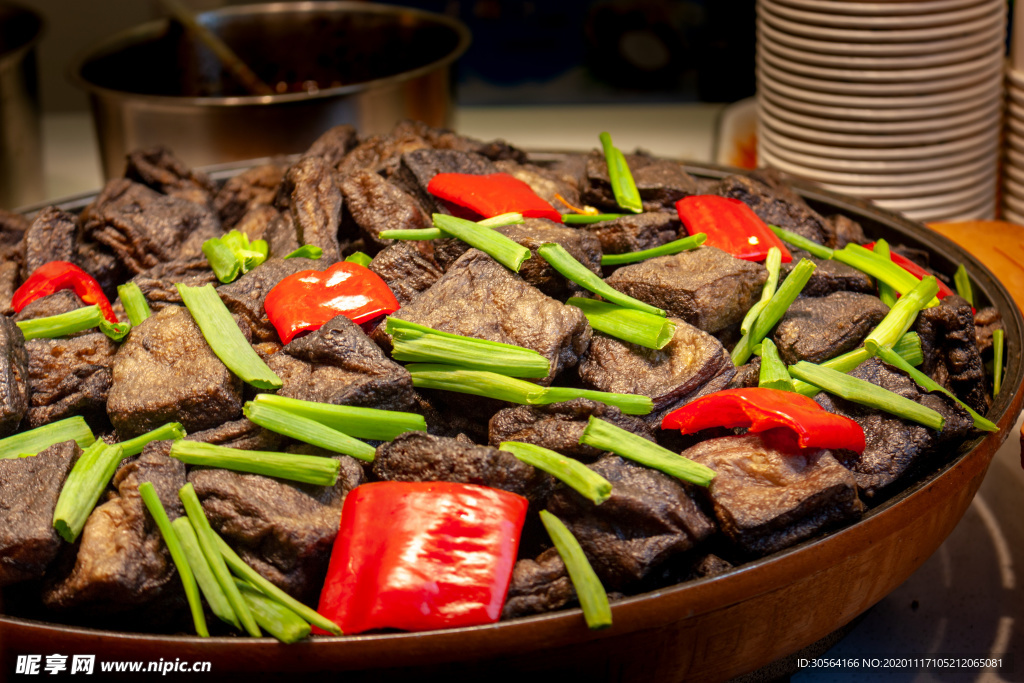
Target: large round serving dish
column 706, row 630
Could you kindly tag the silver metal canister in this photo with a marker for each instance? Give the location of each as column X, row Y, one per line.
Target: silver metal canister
column 21, row 149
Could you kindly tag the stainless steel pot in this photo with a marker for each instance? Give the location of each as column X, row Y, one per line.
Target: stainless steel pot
column 21, row 148
column 372, row 65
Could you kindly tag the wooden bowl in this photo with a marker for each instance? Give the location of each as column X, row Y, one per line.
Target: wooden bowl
column 711, row 629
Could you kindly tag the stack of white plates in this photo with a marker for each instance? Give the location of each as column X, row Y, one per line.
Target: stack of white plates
column 1013, row 162
column 898, row 101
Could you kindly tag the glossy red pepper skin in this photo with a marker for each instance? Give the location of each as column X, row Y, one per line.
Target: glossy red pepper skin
column 491, row 195
column 762, row 409
column 55, row 276
column 915, row 270
column 420, row 556
column 307, row 300
column 730, row 225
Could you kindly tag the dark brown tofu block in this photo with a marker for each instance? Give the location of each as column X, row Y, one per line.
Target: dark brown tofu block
column 166, row 372
column 706, row 287
column 12, row 234
column 418, row 167
column 545, row 183
column 245, row 296
column 50, row 237
column 894, row 445
column 122, row 560
column 14, row 376
column 685, row 364
column 377, row 205
column 951, row 355
column 314, row 201
column 143, row 227
column 341, row 365
column 54, row 304
column 334, row 144
column 649, row 518
column 766, row 500
column 829, row 276
column 158, row 168
column 246, row 192
column 69, row 377
column 158, row 283
column 816, row 329
column 660, row 182
column 407, row 268
column 559, row 426
column 635, row 232
column 538, row 586
column 29, row 488
column 478, row 297
column 282, row 529
column 418, row 456
column 10, row 277
column 779, row 206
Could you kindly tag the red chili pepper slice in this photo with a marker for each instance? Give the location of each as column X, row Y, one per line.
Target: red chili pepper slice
column 420, row 556
column 54, row 276
column 491, row 195
column 762, row 409
column 307, row 300
column 915, row 270
column 730, row 225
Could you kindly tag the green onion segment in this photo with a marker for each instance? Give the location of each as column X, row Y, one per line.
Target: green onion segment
column 588, row 218
column 628, row 324
column 222, row 260
column 997, row 360
column 502, row 249
column 592, row 596
column 310, row 251
column 774, row 374
column 562, row 261
column 216, row 598
column 188, row 579
column 623, row 186
column 773, row 262
column 880, row 268
column 801, row 242
column 362, row 423
column 134, row 302
column 170, row 431
column 77, row 320
column 83, row 488
column 227, row 341
column 673, row 247
column 359, row 257
column 885, row 291
column 608, row 437
column 311, row 469
column 772, row 313
column 963, row 284
column 275, row 618
column 569, row 471
column 39, row 439
column 908, row 348
column 291, row 424
column 903, row 313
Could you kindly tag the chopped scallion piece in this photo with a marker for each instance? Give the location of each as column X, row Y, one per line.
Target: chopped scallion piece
column 908, row 347
column 608, row 437
column 772, row 313
column 502, row 249
column 773, row 263
column 412, row 234
column 227, row 341
column 774, row 374
column 418, row 343
column 362, row 423
column 587, row 218
column 903, row 313
column 169, row 431
column 623, row 186
column 801, row 242
column 997, row 360
column 207, row 541
column 83, row 488
column 310, row 251
column 897, row 361
column 963, row 284
column 511, row 218
column 359, row 257
column 77, row 320
column 592, row 596
column 882, row 269
column 493, row 385
column 134, row 302
column 222, row 260
column 562, row 261
column 39, row 439
column 627, row 324
column 311, row 469
column 866, row 393
column 275, row 618
column 673, row 247
column 885, row 291
column 306, row 430
column 188, row 579
column 208, row 584
column 244, row 571
column 570, row 472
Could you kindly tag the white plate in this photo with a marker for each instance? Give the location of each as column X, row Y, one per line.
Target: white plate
column 1012, row 187
column 1014, row 139
column 1013, row 172
column 968, row 67
column 989, row 124
column 873, row 62
column 957, row 189
column 942, row 85
column 1016, row 204
column 1012, row 216
column 934, row 18
column 1016, row 125
column 883, row 166
column 1015, row 77
column 1015, row 110
column 952, row 122
column 953, row 176
column 877, row 8
column 966, row 143
column 1014, row 158
column 977, row 91
column 993, row 96
column 977, row 211
column 1016, row 94
column 940, row 203
column 912, row 35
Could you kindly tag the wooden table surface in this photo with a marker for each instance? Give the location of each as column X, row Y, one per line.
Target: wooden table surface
column 997, row 244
